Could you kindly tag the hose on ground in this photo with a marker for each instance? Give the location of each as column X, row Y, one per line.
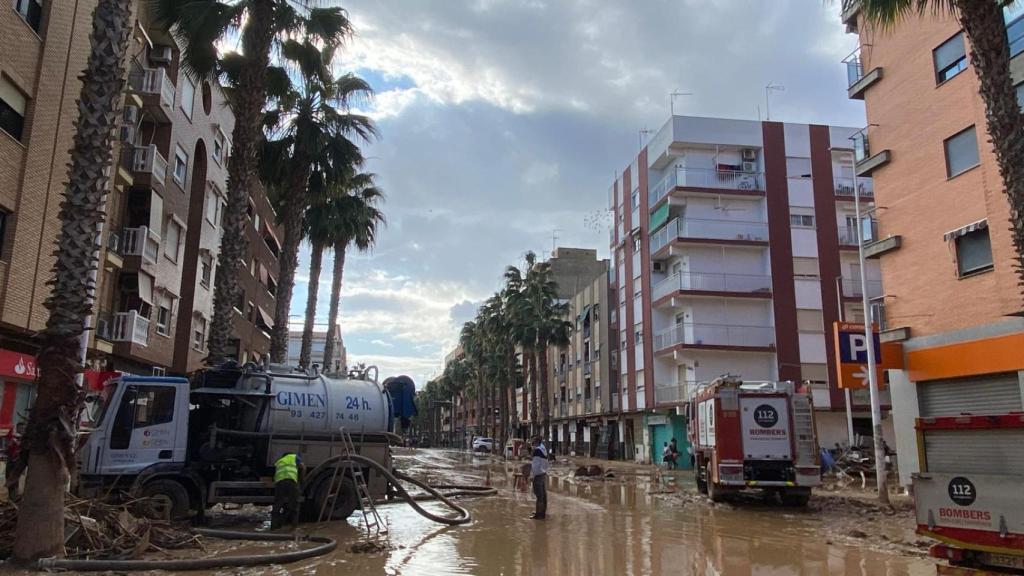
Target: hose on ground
column 463, row 514
column 324, row 546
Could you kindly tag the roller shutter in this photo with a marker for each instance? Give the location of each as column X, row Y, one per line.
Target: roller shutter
column 996, row 394
column 975, row 451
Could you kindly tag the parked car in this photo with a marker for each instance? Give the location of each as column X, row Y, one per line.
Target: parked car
column 481, row 444
column 516, row 448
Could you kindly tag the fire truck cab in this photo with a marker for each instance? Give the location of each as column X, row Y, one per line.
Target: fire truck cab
column 753, row 435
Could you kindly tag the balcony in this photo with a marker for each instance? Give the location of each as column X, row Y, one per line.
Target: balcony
column 706, row 179
column 713, row 282
column 852, row 288
column 848, row 236
column 696, row 229
column 866, row 161
column 148, row 160
column 844, row 186
column 588, row 406
column 141, row 241
column 857, row 80
column 672, row 393
column 157, row 90
column 715, row 335
column 130, row 327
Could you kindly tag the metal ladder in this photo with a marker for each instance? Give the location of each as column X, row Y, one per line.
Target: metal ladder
column 803, row 422
column 371, row 518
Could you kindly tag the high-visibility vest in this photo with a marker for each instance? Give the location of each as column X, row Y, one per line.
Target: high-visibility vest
column 286, row 468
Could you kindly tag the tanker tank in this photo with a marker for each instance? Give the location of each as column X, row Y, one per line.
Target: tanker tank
column 318, row 404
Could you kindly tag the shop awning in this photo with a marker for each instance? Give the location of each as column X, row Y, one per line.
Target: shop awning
column 954, row 234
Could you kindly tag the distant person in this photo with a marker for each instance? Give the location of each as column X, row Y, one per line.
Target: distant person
column 675, row 453
column 539, row 472
column 287, row 472
column 666, row 455
column 14, row 467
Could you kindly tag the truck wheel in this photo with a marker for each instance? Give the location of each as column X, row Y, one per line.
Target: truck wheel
column 795, row 497
column 715, row 492
column 346, row 503
column 166, row 499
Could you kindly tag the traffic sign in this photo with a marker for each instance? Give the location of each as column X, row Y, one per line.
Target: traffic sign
column 852, row 355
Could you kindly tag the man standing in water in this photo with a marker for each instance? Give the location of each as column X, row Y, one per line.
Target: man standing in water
column 539, row 472
column 287, row 473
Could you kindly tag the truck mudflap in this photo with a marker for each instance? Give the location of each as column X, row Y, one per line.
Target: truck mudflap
column 976, row 512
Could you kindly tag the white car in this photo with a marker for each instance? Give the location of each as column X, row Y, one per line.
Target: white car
column 481, row 444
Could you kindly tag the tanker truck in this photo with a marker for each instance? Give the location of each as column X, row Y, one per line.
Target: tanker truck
column 214, row 439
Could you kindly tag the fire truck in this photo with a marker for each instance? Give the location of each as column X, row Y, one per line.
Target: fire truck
column 967, row 495
column 753, row 435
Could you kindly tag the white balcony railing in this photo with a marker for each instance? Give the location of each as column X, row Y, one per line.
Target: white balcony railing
column 712, row 282
column 156, row 81
column 148, row 160
column 705, row 178
column 141, row 241
column 672, row 392
column 130, row 327
column 715, row 335
column 709, row 229
column 844, row 186
column 852, row 287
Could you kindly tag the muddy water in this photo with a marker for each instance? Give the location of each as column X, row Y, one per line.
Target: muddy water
column 603, row 527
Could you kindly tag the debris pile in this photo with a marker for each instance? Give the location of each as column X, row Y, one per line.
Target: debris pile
column 98, row 530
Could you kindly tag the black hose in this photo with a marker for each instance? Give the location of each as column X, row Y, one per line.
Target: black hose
column 455, row 490
column 324, row 546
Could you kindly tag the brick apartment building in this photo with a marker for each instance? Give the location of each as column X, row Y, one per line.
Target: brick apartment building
column 951, row 295
column 158, row 247
column 734, row 250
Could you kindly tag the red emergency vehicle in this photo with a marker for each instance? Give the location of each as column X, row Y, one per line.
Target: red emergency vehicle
column 968, row 493
column 753, row 435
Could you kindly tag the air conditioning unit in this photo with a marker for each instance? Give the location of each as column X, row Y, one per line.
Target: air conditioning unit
column 658, row 267
column 103, row 328
column 750, row 167
column 130, row 115
column 160, row 55
column 749, row 154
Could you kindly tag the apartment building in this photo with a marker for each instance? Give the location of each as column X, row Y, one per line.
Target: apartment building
column 735, row 249
column 158, row 246
column 339, row 362
column 951, row 295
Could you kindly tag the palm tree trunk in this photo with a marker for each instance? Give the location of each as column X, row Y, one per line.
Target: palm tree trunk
column 312, row 294
column 534, row 413
column 545, row 401
column 49, row 443
column 247, row 105
column 332, row 317
column 990, row 56
column 514, row 419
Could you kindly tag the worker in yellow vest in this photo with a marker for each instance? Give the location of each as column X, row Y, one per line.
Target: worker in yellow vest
column 288, row 471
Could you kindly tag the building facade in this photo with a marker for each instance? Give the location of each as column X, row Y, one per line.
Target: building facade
column 157, row 248
column 339, row 362
column 947, row 260
column 735, row 249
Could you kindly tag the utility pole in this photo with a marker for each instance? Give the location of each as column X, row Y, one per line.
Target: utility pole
column 771, row 87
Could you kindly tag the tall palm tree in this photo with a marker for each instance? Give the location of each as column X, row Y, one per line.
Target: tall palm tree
column 522, row 327
column 983, row 23
column 49, row 442
column 311, row 151
column 200, row 26
column 362, row 220
column 321, row 223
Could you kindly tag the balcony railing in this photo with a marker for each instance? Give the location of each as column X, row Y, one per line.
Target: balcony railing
column 854, row 68
column 141, row 241
column 712, row 282
column 715, row 335
column 844, row 186
column 709, row 229
column 154, row 81
column 130, row 327
column 672, row 393
column 148, row 160
column 861, row 147
column 705, row 178
column 852, row 287
column 848, row 236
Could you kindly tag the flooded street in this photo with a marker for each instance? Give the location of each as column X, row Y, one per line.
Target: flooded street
column 613, row 526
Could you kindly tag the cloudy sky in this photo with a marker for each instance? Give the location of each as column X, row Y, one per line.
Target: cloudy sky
column 504, row 121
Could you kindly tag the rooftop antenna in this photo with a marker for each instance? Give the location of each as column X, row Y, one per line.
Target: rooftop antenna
column 672, row 101
column 554, row 238
column 643, row 133
column 771, row 87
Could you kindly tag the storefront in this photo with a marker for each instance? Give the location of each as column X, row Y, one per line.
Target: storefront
column 18, row 373
column 663, row 429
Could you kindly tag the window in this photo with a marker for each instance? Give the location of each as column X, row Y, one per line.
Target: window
column 1013, row 14
column 240, row 301
column 1020, row 95
column 810, row 321
column 973, row 252
column 159, row 371
column 214, row 206
column 636, row 243
column 172, row 240
column 3, row 232
column 638, row 335
column 180, row 166
column 188, row 96
column 219, row 146
column 141, row 407
column 163, row 315
column 13, row 103
column 205, row 270
column 637, row 287
column 950, row 58
column 31, row 11
column 801, row 220
column 805, row 267
column 199, row 333
column 635, row 200
column 961, row 152
column 798, row 167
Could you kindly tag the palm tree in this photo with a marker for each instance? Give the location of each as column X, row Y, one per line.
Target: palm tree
column 311, row 153
column 199, row 26
column 53, row 421
column 522, row 327
column 362, row 219
column 983, row 23
column 321, row 223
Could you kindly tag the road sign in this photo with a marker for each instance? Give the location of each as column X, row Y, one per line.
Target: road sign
column 852, row 355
